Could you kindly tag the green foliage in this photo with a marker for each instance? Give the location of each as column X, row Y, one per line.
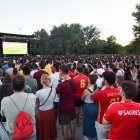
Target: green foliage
column 74, row 39
column 42, row 42
column 111, row 46
column 134, row 46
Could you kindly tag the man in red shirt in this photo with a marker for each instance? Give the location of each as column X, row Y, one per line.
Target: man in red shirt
column 105, row 98
column 38, row 74
column 81, row 81
column 124, row 116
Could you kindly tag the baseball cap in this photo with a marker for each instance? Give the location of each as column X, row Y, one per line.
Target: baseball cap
column 100, row 71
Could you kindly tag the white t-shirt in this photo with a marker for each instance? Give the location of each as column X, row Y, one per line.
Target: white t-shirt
column 32, row 73
column 43, row 95
column 10, row 111
column 120, row 72
column 99, row 82
column 54, row 83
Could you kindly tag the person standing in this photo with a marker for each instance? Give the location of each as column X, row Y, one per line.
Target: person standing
column 90, row 110
column 81, row 81
column 46, row 122
column 104, row 98
column 124, row 115
column 65, row 91
column 54, row 84
column 37, row 75
column 29, row 82
column 11, row 105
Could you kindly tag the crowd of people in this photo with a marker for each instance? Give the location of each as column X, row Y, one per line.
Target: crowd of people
column 103, row 89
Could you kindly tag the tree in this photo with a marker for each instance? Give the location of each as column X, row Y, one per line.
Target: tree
column 136, row 28
column 59, row 39
column 76, row 43
column 111, row 46
column 91, row 36
column 42, row 40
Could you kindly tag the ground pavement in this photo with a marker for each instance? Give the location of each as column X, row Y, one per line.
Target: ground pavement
column 79, row 131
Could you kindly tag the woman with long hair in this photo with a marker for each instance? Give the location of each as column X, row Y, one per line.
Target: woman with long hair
column 90, row 110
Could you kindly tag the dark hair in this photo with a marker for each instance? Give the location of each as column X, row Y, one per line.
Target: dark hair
column 114, row 69
column 93, row 78
column 109, row 77
column 42, row 65
column 18, row 83
column 130, row 89
column 35, row 66
column 26, row 70
column 56, row 65
column 6, row 80
column 64, row 69
column 80, row 68
column 15, row 71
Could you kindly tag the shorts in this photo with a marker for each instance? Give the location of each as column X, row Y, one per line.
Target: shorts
column 78, row 102
column 65, row 119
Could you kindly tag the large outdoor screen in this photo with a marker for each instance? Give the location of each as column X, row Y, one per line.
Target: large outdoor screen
column 14, row 48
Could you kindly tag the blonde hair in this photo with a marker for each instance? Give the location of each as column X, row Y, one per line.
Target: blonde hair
column 46, row 79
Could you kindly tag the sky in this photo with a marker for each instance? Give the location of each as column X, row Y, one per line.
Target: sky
column 111, row 17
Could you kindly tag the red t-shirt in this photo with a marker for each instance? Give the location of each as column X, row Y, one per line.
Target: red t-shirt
column 66, row 91
column 71, row 74
column 105, row 98
column 125, row 118
column 81, row 81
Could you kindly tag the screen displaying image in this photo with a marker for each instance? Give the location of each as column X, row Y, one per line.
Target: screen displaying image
column 14, row 48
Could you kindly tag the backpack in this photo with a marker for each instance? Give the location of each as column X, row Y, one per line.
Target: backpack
column 23, row 124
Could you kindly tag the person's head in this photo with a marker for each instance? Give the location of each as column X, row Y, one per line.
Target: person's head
column 128, row 89
column 93, row 78
column 18, row 83
column 109, row 78
column 114, row 69
column 26, row 70
column 7, row 80
column 35, row 66
column 56, row 66
column 45, row 80
column 100, row 72
column 80, row 69
column 42, row 65
column 64, row 69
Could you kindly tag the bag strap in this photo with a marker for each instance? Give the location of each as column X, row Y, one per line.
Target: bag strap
column 71, row 85
column 47, row 97
column 89, row 90
column 17, row 106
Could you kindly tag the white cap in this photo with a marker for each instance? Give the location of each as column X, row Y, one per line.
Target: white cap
column 100, row 71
